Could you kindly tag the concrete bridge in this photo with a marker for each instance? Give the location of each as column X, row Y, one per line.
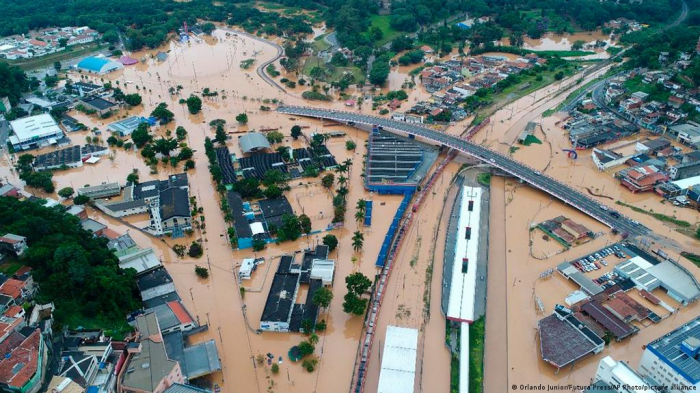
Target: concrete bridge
column 551, row 186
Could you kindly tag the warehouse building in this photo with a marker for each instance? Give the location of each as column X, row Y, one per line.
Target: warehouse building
column 398, row 369
column 34, row 132
column 678, row 283
column 97, row 65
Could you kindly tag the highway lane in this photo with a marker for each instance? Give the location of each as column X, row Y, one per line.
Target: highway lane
column 561, row 191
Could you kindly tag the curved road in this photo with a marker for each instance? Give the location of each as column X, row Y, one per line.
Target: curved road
column 261, row 68
column 547, row 184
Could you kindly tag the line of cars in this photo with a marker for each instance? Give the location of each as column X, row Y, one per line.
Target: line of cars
column 595, row 261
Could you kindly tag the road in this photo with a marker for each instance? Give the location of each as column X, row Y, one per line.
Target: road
column 261, row 68
column 539, row 180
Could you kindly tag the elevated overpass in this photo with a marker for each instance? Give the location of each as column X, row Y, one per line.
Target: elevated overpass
column 551, row 186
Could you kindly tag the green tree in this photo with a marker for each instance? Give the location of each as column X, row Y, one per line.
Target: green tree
column 357, row 283
column 66, row 192
column 162, row 113
column 180, row 133
column 57, row 66
column 275, row 177
column 290, row 228
column 275, row 368
column 274, row 137
column 195, row 250
column 296, row 132
column 331, row 241
column 358, row 240
column 376, row 33
column 259, row 245
column 164, row 145
column 353, row 304
column 322, row 297
column 220, row 136
column 305, row 223
column 242, row 118
column 201, row 272
column 194, row 104
column 273, row 192
column 140, row 135
column 350, row 145
column 306, row 348
column 208, row 28
column 133, row 177
column 248, row 188
column 81, row 199
column 133, row 99
column 327, row 180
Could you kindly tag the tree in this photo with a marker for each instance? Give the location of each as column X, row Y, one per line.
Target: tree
column 275, row 368
column 208, row 28
column 185, row 154
column 195, row 250
column 140, row 135
column 220, row 136
column 242, row 118
column 322, row 297
column 353, row 304
column 305, row 223
column 273, row 192
column 376, row 33
column 180, row 133
column 194, row 104
column 275, row 177
column 350, row 145
column 306, row 348
column 274, row 137
column 81, row 199
column 321, row 326
column 357, row 283
column 290, row 228
column 133, row 177
column 162, row 113
column 189, row 164
column 66, row 192
column 331, row 241
column 248, row 188
column 296, row 132
column 359, row 216
column 180, row 250
column 201, row 272
column 309, row 364
column 327, row 180
column 164, row 145
column 357, row 240
column 133, row 99
column 361, row 205
column 259, row 245
column 57, row 66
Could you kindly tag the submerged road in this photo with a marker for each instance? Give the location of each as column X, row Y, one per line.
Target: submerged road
column 551, row 186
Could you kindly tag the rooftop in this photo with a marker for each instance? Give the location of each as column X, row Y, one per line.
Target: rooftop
column 561, row 343
column 252, row 142
column 278, row 306
column 35, row 127
column 23, row 362
column 668, row 349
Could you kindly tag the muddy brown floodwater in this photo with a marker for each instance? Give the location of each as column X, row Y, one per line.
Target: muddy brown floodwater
column 512, row 293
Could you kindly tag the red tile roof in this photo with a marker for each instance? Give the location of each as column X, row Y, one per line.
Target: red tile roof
column 12, row 288
column 22, row 270
column 13, row 312
column 38, row 43
column 23, row 362
column 180, row 312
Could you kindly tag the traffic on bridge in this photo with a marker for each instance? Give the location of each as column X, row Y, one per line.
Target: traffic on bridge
column 559, row 190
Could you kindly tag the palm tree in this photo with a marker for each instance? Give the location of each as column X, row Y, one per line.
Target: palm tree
column 341, row 168
column 361, row 205
column 348, row 164
column 342, row 191
column 359, row 216
column 313, row 339
column 342, row 180
column 358, row 240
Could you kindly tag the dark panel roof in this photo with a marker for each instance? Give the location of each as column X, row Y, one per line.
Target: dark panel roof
column 240, row 222
column 280, row 299
column 153, row 279
column 174, row 202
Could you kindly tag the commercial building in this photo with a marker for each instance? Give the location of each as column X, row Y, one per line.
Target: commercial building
column 564, row 339
column 674, row 359
column 281, row 312
column 147, row 367
column 619, row 377
column 253, row 142
column 678, row 283
column 104, row 190
column 398, row 369
column 34, row 132
column 126, row 126
column 99, row 105
column 683, row 171
column 98, row 65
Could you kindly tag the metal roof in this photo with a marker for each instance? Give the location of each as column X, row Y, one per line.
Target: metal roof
column 398, row 370
column 668, row 349
column 253, row 141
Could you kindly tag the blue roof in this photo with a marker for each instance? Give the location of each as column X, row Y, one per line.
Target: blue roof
column 93, row 64
column 463, row 25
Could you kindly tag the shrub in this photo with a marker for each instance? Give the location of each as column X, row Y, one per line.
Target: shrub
column 201, row 272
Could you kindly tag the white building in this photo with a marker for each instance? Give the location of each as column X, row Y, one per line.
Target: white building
column 246, row 269
column 324, row 270
column 398, row 371
column 673, row 360
column 619, row 377
column 34, row 131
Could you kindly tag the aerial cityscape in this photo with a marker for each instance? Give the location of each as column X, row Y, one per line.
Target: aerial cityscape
column 329, row 196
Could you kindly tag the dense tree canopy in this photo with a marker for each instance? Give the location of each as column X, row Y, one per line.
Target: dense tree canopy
column 74, row 270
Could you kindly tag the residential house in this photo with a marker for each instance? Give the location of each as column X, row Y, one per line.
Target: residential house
column 15, row 244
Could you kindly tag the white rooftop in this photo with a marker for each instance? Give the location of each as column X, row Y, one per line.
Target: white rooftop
column 461, row 302
column 398, row 371
column 246, row 268
column 257, row 228
column 35, row 127
column 323, row 269
column 689, row 182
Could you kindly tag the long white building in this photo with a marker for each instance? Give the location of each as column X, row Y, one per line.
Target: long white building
column 613, row 376
column 462, row 286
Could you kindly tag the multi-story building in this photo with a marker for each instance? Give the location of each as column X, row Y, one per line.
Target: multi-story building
column 673, row 360
column 613, row 376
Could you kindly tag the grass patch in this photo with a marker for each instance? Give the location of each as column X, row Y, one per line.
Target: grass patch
column 383, row 22
column 335, row 73
column 48, row 60
column 530, row 139
column 320, row 44
column 658, row 216
column 655, row 92
column 513, row 149
column 695, row 258
column 573, row 95
column 9, row 268
column 476, row 355
column 484, row 178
